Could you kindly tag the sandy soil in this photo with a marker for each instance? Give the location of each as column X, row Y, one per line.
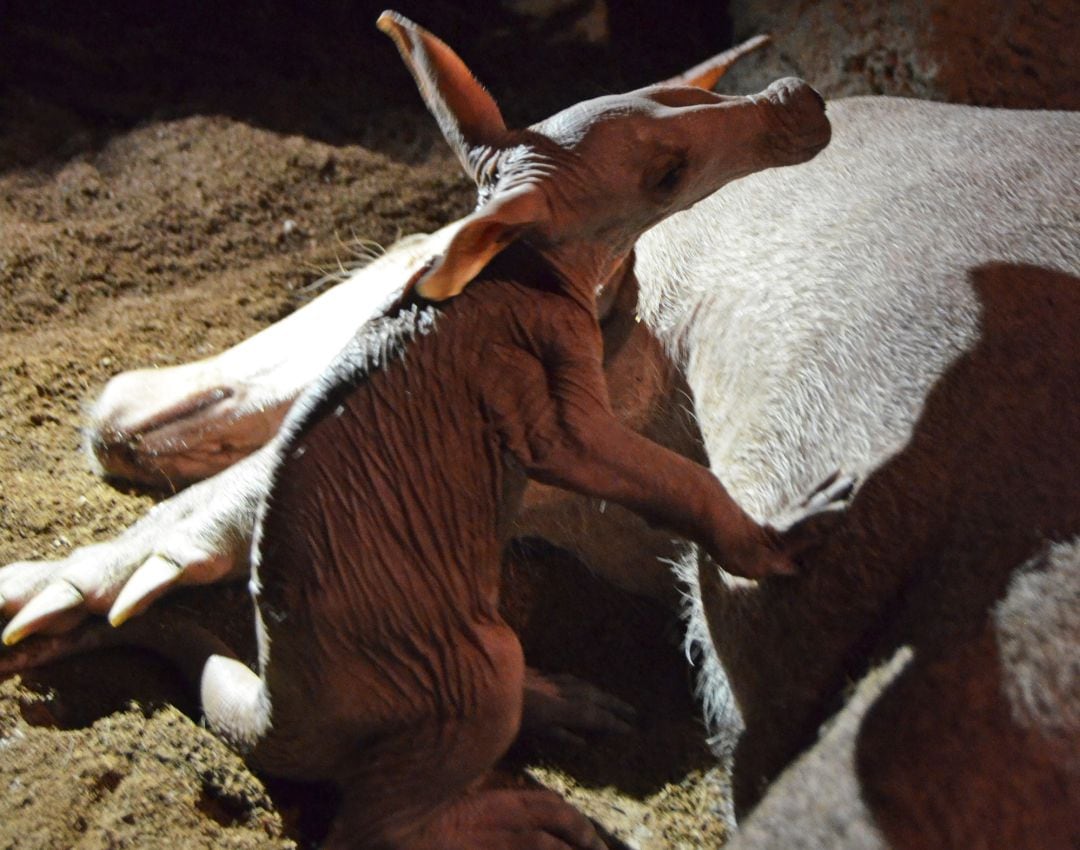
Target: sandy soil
column 148, row 164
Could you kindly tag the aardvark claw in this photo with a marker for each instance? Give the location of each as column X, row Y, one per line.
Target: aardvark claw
column 57, row 598
column 148, row 582
column 805, row 527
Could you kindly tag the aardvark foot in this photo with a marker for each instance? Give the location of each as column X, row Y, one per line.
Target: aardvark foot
column 561, row 706
column 200, row 535
column 508, row 820
column 120, row 578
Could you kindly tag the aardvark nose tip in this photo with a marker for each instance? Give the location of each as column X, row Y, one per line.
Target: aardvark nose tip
column 793, row 92
column 799, row 114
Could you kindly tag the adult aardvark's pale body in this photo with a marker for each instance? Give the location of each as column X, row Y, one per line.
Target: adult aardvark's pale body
column 905, row 307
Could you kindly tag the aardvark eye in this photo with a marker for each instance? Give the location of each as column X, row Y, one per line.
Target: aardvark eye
column 670, row 176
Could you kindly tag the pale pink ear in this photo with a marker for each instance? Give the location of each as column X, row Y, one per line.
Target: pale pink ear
column 708, row 73
column 467, row 115
column 482, row 235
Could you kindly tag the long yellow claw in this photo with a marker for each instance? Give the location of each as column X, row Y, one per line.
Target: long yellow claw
column 146, row 585
column 55, row 599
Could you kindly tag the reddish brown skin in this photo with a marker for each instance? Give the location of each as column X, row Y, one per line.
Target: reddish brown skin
column 381, row 552
column 649, row 394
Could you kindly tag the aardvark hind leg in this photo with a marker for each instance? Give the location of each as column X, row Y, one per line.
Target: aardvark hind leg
column 509, row 820
column 561, row 706
column 503, row 819
column 419, row 786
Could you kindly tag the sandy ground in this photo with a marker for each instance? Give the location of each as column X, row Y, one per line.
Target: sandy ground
column 144, row 191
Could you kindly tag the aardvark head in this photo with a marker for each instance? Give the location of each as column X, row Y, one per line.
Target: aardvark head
column 583, row 185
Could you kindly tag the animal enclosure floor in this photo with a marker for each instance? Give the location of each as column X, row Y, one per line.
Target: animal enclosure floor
column 165, row 241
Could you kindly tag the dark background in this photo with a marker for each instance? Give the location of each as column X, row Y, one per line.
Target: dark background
column 72, row 73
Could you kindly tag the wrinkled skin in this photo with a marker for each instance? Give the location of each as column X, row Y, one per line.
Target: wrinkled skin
column 422, row 563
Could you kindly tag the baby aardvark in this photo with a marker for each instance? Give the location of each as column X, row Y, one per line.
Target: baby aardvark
column 376, row 570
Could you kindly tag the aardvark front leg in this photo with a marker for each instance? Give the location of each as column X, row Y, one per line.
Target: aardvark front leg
column 564, row 707
column 601, row 457
column 563, row 432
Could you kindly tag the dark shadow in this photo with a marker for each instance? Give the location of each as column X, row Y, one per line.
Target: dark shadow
column 928, row 547
column 940, row 757
column 109, row 669
column 996, row 452
column 571, row 621
column 942, row 762
column 77, row 692
column 73, row 74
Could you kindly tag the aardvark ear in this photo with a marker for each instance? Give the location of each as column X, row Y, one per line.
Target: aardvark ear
column 467, row 115
column 482, row 235
column 708, row 73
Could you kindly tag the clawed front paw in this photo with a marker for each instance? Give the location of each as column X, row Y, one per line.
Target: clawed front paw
column 119, row 578
column 777, row 549
column 45, row 596
column 759, row 557
column 807, row 525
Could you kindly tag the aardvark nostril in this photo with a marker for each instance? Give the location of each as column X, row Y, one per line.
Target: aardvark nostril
column 794, row 93
column 782, row 92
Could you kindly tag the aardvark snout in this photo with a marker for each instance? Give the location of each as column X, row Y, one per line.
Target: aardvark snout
column 799, row 114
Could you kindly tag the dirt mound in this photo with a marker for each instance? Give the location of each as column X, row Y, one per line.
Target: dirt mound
column 131, row 779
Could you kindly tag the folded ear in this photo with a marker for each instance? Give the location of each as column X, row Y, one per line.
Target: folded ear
column 482, row 235
column 708, row 73
column 467, row 115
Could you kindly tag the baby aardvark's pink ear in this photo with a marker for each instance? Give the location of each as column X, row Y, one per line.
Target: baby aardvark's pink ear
column 470, row 120
column 482, row 235
column 468, row 116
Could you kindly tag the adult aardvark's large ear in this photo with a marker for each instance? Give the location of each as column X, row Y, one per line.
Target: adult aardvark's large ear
column 467, row 115
column 708, row 73
column 482, row 235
